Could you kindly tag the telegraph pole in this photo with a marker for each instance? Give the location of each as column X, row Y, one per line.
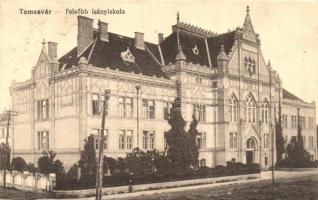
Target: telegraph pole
column 9, row 113
column 271, row 126
column 215, row 153
column 99, row 174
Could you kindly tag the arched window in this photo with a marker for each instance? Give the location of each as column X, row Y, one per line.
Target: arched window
column 250, row 65
column 233, row 108
column 250, row 144
column 253, row 67
column 250, row 109
column 265, row 111
column 246, row 64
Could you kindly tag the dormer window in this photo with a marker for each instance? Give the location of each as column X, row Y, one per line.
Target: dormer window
column 127, row 56
column 195, row 50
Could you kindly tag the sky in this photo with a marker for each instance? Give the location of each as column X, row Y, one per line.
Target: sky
column 288, row 31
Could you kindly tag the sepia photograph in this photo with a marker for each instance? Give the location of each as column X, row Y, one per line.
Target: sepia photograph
column 159, row 100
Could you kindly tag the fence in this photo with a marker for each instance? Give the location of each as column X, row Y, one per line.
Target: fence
column 28, row 181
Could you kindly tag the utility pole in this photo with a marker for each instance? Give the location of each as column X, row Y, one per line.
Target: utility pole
column 99, row 174
column 215, row 154
column 271, row 126
column 9, row 113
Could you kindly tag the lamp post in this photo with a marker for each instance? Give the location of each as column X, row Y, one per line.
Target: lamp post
column 137, row 89
column 99, row 174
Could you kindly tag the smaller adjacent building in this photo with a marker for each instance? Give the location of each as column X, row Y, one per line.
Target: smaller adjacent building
column 3, row 129
column 292, row 108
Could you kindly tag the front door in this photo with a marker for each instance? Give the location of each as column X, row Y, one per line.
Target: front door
column 249, row 157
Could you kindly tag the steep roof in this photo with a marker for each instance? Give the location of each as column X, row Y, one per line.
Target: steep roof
column 108, row 54
column 215, row 42
column 188, row 42
column 290, row 96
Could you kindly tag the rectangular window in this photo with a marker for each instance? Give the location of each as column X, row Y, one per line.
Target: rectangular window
column 145, row 140
column 304, row 141
column 311, row 142
column 285, row 121
column 233, row 140
column 148, row 109
column 43, row 109
column 266, row 141
column 121, row 109
column 128, row 107
column 293, row 121
column 302, row 122
column 199, row 112
column 201, row 140
column 125, row 139
column 311, row 123
column 166, row 110
column 165, row 139
column 129, row 139
column 148, row 140
column 43, row 141
column 121, row 139
column 96, row 134
column 98, row 103
column 125, row 106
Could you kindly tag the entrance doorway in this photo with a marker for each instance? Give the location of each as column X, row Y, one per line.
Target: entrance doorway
column 249, row 157
column 250, row 151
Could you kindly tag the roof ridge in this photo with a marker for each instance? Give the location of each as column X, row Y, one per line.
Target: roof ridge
column 195, row 29
column 221, row 34
column 151, row 54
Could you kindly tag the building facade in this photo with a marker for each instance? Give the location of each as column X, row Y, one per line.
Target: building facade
column 222, row 80
column 4, row 128
column 293, row 109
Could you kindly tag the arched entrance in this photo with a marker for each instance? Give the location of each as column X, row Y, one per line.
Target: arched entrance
column 251, row 148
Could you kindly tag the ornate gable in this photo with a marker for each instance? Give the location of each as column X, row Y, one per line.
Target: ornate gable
column 42, row 69
column 248, row 30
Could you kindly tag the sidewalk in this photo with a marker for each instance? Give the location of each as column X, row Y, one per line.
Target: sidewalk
column 266, row 176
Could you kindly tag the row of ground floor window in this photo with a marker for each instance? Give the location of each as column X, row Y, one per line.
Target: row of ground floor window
column 125, row 140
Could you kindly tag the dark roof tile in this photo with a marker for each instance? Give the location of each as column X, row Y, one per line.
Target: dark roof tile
column 108, row 54
column 215, row 42
column 288, row 95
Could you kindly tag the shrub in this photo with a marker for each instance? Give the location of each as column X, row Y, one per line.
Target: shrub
column 19, row 164
column 4, row 156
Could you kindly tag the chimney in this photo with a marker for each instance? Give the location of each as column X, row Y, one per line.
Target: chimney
column 52, row 50
column 139, row 41
column 103, row 31
column 84, row 34
column 160, row 37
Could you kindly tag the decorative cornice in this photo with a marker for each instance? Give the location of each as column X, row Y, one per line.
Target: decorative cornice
column 189, row 67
